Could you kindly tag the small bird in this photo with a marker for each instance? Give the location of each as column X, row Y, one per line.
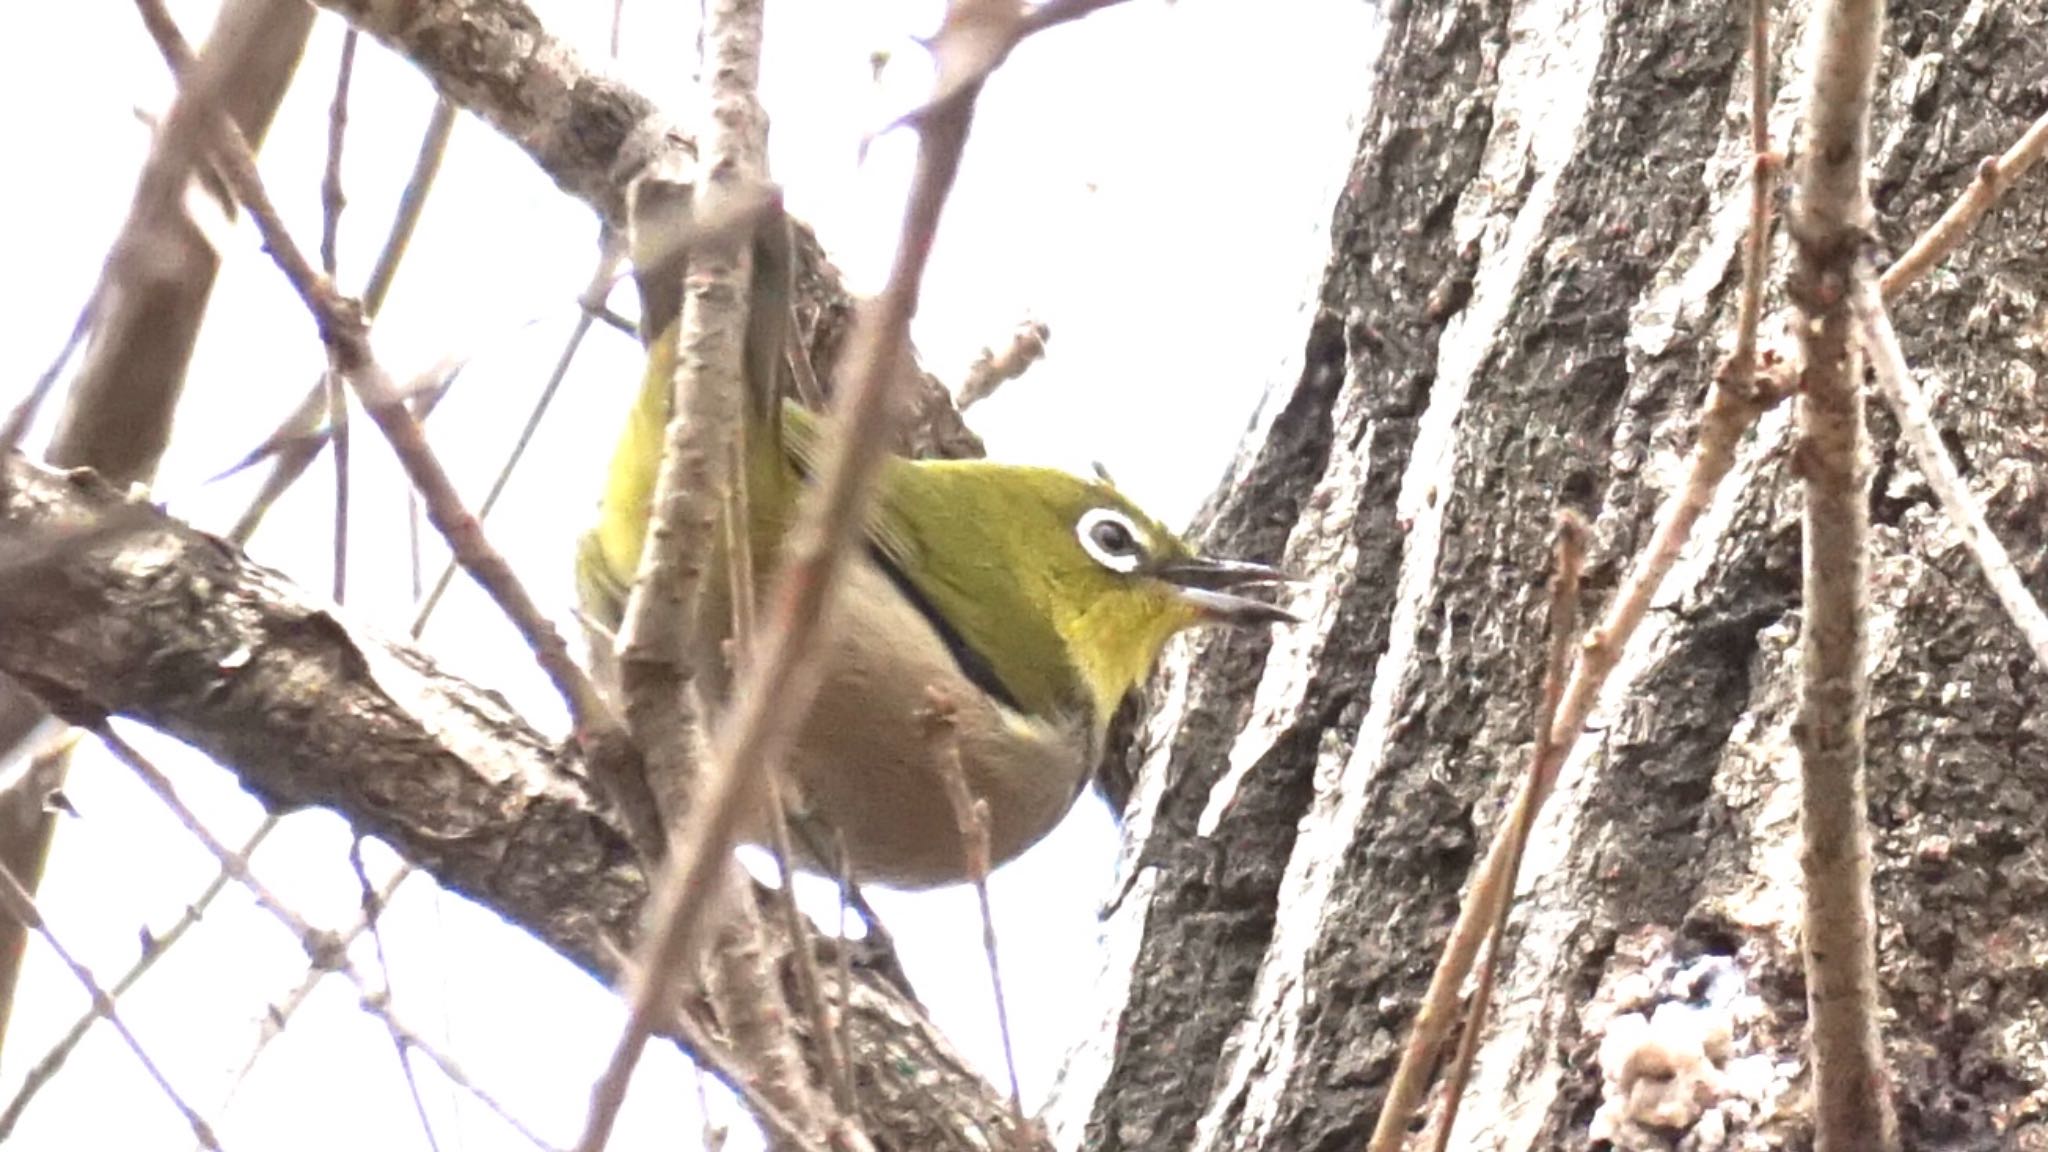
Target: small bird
column 1029, row 601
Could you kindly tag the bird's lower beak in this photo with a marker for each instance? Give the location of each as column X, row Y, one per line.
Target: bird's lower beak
column 1206, row 584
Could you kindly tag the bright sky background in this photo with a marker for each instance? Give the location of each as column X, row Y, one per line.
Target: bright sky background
column 1154, row 183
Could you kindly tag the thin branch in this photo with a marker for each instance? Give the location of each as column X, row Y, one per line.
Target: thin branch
column 1830, row 226
column 776, row 691
column 728, row 1069
column 16, row 903
column 1995, row 174
column 977, row 37
column 1739, row 394
column 588, row 303
column 970, row 814
column 747, row 999
column 332, row 200
column 155, row 946
column 411, row 1041
column 373, row 910
column 1739, row 370
column 29, row 803
column 1569, row 552
column 325, row 950
column 24, row 414
column 1916, row 427
column 704, row 357
column 298, row 439
column 704, row 329
column 344, row 329
column 278, row 1015
column 810, row 985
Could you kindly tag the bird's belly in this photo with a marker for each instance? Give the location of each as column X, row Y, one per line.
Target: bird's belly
column 869, row 765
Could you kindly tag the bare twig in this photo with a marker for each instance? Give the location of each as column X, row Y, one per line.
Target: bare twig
column 155, row 946
column 588, row 304
column 1831, row 223
column 373, row 911
column 706, row 332
column 412, row 202
column 842, row 869
column 1916, row 427
column 331, row 203
column 1570, row 560
column 728, row 1069
column 1738, row 396
column 704, row 362
column 1994, row 176
column 332, row 198
column 326, row 951
column 777, row 688
column 278, row 1015
column 1739, row 370
column 16, row 903
column 24, row 413
column 344, row 329
column 978, row 36
column 746, row 995
column 298, row 439
column 410, row 1041
column 28, row 825
column 707, row 1052
column 970, row 814
column 832, row 1066
column 992, row 369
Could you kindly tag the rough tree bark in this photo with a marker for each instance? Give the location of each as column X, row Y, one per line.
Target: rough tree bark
column 1532, row 277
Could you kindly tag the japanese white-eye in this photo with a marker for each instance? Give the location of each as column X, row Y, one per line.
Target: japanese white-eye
column 1031, row 600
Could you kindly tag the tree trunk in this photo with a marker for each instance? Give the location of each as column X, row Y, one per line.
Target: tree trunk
column 1532, row 279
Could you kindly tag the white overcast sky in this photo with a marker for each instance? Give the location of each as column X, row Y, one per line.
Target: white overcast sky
column 1154, row 183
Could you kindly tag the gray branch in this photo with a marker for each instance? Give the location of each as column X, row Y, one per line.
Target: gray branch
column 110, row 607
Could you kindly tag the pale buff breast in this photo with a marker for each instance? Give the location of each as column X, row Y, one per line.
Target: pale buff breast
column 866, row 764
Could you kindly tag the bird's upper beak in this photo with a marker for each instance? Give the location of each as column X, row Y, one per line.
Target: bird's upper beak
column 1205, row 582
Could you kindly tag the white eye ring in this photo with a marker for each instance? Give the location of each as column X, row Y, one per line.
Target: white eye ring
column 1111, row 538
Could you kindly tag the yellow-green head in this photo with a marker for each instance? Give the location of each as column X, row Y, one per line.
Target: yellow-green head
column 1063, row 586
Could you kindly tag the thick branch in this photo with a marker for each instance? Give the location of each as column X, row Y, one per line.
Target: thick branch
column 145, row 319
column 127, row 611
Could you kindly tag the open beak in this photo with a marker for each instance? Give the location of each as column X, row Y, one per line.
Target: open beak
column 1207, row 584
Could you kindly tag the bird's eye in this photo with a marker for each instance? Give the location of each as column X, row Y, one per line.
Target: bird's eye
column 1111, row 538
